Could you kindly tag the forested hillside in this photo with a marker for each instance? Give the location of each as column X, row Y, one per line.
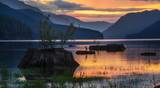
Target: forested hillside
column 11, row 28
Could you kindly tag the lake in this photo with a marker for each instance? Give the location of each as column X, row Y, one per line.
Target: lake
column 126, row 65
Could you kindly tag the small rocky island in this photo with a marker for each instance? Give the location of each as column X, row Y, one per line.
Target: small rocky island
column 49, row 61
column 44, row 63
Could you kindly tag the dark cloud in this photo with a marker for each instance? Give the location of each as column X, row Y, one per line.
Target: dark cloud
column 118, row 9
column 66, row 5
column 43, row 7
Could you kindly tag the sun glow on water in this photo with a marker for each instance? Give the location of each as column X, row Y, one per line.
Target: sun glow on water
column 110, row 65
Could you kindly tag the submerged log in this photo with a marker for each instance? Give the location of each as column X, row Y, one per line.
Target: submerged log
column 85, row 52
column 148, row 54
column 109, row 47
column 47, row 62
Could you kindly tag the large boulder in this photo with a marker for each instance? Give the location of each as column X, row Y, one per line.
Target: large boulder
column 47, row 62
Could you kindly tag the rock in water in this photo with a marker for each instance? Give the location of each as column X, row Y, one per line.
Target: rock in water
column 157, row 86
column 47, row 62
column 109, row 48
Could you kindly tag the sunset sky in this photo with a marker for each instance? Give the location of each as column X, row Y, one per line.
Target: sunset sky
column 95, row 10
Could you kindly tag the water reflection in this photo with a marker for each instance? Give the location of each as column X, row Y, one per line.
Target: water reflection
column 113, row 64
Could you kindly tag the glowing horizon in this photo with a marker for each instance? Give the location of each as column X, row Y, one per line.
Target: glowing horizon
column 93, row 10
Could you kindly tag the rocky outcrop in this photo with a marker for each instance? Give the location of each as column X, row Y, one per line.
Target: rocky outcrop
column 47, row 62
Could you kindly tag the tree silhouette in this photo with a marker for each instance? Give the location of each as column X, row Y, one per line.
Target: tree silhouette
column 68, row 34
column 47, row 34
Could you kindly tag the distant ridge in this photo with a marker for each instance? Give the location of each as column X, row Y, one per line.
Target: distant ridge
column 66, row 20
column 31, row 19
column 15, row 4
column 132, row 23
column 59, row 19
column 152, row 31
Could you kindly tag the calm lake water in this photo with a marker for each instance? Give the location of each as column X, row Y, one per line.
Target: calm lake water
column 112, row 64
column 102, row 64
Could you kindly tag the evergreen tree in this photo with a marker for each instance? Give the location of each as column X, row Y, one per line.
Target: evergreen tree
column 47, row 34
column 64, row 36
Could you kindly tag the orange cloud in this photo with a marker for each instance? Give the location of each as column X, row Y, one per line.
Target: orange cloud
column 112, row 3
column 90, row 17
